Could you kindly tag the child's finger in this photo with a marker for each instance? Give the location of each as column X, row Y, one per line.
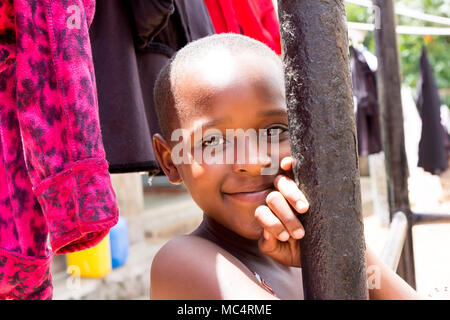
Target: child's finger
column 271, row 223
column 292, row 193
column 286, row 163
column 268, row 243
column 280, row 207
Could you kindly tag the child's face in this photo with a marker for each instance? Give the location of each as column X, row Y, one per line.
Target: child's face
column 250, row 98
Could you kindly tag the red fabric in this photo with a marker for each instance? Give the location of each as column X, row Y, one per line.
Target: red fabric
column 254, row 18
column 54, row 179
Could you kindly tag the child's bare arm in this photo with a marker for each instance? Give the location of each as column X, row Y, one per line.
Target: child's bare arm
column 391, row 285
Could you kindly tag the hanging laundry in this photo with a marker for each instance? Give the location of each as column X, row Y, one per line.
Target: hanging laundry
column 425, row 189
column 131, row 42
column 445, row 117
column 54, row 179
column 432, row 145
column 254, row 18
column 367, row 108
column 371, row 59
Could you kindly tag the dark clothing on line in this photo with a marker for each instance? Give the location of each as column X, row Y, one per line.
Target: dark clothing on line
column 432, row 145
column 131, row 41
column 367, row 108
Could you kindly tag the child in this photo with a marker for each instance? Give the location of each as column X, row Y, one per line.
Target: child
column 247, row 246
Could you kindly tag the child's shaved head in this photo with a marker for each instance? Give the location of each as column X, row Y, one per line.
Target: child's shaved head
column 226, row 94
column 214, row 62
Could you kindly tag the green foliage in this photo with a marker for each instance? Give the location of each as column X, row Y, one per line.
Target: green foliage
column 410, row 46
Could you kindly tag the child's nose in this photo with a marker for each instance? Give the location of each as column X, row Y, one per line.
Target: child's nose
column 253, row 164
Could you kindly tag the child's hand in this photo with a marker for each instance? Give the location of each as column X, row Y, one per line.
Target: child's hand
column 282, row 229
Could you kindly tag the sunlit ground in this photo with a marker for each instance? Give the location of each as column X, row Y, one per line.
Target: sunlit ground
column 431, row 242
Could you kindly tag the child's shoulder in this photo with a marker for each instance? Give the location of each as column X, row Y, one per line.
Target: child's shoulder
column 189, row 250
column 190, row 267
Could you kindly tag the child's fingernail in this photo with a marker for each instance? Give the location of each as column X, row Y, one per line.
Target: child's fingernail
column 285, row 161
column 298, row 234
column 284, row 236
column 266, row 235
column 301, row 205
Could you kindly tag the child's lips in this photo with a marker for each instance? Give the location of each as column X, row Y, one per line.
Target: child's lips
column 252, row 196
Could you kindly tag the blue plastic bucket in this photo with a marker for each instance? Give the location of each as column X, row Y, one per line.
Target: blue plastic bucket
column 120, row 243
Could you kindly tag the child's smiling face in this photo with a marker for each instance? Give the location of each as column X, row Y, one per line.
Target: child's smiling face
column 236, row 94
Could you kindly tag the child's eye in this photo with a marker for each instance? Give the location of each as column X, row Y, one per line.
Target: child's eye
column 274, row 131
column 213, row 141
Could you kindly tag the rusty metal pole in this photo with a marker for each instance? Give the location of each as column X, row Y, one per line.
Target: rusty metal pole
column 389, row 96
column 323, row 143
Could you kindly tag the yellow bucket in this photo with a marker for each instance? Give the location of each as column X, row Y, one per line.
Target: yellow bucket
column 94, row 262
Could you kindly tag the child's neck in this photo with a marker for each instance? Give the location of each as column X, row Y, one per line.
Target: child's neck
column 226, row 238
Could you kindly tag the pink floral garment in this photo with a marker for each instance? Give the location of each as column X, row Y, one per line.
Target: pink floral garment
column 54, row 179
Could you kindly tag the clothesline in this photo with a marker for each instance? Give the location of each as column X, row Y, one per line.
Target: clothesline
column 415, row 30
column 406, row 12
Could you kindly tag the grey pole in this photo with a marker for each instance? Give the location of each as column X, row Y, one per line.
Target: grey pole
column 389, row 96
column 323, row 143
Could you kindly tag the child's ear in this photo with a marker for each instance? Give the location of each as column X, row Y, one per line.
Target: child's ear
column 164, row 156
